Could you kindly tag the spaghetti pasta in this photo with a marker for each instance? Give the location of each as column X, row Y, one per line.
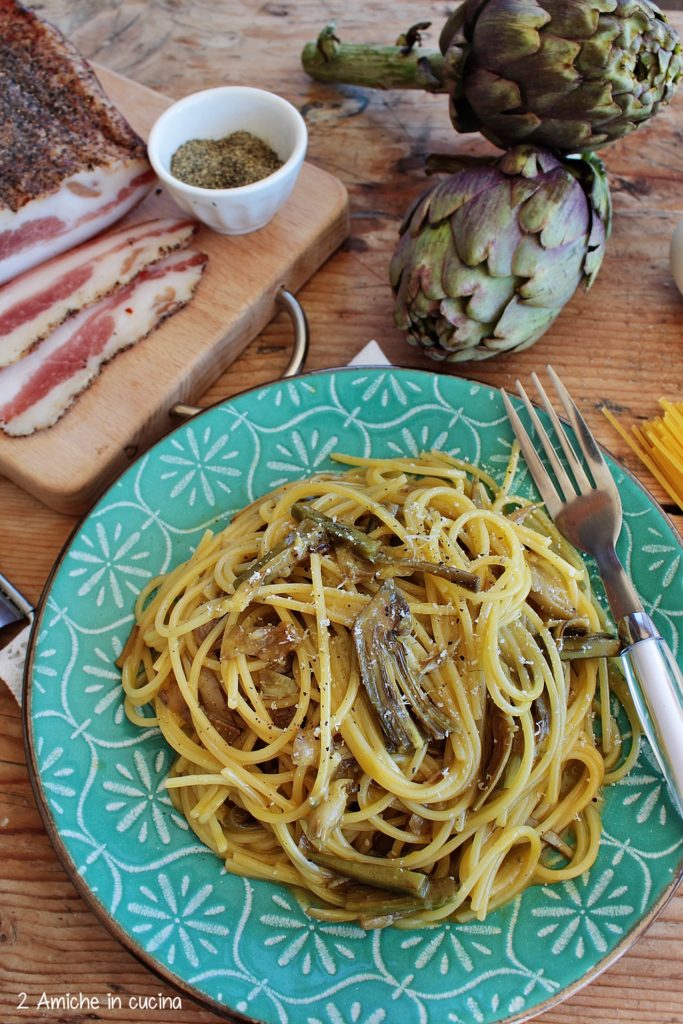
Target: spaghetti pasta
column 381, row 689
column 658, row 443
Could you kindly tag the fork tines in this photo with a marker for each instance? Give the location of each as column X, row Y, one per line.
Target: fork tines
column 567, row 488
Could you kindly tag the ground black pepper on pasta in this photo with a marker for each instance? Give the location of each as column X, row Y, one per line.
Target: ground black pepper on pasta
column 284, row 768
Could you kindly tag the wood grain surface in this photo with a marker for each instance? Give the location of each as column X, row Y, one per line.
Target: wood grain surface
column 621, row 344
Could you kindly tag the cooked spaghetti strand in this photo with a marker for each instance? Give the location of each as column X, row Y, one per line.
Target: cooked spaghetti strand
column 407, row 746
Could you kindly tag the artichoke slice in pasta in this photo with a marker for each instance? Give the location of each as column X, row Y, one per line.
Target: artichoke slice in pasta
column 389, row 682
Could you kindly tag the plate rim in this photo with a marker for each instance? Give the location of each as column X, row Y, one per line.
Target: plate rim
column 97, row 907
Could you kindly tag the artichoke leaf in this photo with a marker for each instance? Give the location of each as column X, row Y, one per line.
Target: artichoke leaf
column 548, row 71
column 462, row 355
column 417, row 213
column 472, row 182
column 547, row 591
column 488, row 296
column 452, row 317
column 416, row 270
column 571, row 133
column 632, row 26
column 598, row 62
column 326, row 816
column 633, row 105
column 504, row 245
column 456, row 330
column 559, row 213
column 488, row 304
column 561, row 104
column 492, row 95
column 424, row 307
column 476, row 225
column 501, row 39
column 521, row 325
column 435, row 722
column 388, row 680
column 499, row 734
column 577, row 20
column 554, row 281
column 453, row 29
column 540, row 710
column 527, row 162
column 371, row 632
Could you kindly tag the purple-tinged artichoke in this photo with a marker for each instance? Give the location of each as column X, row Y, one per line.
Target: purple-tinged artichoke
column 563, row 74
column 566, row 75
column 488, row 257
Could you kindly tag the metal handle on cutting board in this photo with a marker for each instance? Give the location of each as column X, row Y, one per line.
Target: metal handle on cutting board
column 13, row 605
column 301, row 342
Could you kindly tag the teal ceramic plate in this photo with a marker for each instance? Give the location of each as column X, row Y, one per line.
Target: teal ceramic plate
column 246, row 948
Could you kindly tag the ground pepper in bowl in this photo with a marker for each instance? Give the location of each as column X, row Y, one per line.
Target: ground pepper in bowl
column 238, row 159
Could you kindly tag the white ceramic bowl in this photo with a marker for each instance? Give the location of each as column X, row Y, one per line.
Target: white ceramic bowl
column 213, row 114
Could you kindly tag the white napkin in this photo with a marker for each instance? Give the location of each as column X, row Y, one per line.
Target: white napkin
column 371, row 355
column 13, row 656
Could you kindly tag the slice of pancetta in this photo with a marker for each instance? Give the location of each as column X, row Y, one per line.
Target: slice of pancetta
column 36, row 302
column 38, row 389
column 70, row 164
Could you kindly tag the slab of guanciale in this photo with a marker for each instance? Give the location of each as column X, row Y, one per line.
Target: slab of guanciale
column 620, row 344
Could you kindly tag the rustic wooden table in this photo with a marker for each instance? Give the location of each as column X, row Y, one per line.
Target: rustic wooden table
column 620, row 344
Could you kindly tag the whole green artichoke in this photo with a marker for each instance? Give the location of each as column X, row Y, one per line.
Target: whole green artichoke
column 563, row 74
column 488, row 257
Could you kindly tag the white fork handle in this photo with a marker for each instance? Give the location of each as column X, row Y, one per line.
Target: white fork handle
column 656, row 685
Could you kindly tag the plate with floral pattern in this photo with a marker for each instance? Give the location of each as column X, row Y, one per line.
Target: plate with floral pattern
column 246, row 948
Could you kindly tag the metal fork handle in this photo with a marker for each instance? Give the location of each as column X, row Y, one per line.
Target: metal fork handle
column 656, row 685
column 621, row 594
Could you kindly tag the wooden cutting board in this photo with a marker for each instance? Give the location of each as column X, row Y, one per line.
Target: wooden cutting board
column 128, row 406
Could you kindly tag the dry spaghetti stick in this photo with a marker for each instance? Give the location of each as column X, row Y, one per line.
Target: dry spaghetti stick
column 673, row 487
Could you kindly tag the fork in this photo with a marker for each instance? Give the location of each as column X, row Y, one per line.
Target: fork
column 588, row 513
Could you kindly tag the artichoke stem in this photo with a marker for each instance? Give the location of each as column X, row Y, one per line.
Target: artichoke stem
column 374, row 67
column 450, row 163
